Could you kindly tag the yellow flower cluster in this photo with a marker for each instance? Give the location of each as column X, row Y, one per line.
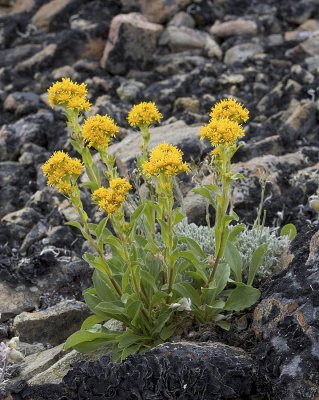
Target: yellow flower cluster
column 221, row 131
column 165, row 159
column 230, row 109
column 111, row 198
column 224, row 126
column 98, row 130
column 69, row 95
column 144, row 115
column 59, row 168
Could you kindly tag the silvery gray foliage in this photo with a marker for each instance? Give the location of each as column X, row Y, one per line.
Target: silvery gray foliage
column 248, row 241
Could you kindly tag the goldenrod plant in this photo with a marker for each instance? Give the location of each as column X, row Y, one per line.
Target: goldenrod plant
column 155, row 276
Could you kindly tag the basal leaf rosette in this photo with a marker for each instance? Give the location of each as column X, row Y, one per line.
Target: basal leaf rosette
column 70, row 95
column 98, row 131
column 112, row 198
column 62, row 171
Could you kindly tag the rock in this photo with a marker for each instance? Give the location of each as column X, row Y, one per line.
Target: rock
column 232, row 79
column 22, row 103
column 15, row 186
column 299, row 123
column 40, row 60
column 270, row 145
column 177, row 133
column 130, row 90
column 187, row 104
column 25, row 217
column 169, row 89
column 183, row 38
column 64, row 72
column 25, row 130
column 297, row 13
column 312, row 64
column 200, row 371
column 16, row 299
column 161, row 10
column 23, row 6
column 182, row 18
column 122, row 52
column 52, row 325
column 10, row 57
column 240, row 53
column 51, row 12
column 301, row 75
column 237, row 27
column 265, row 105
column 36, row 363
column 286, row 322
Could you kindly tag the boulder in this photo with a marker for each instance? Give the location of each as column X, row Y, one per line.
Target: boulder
column 286, row 321
column 122, row 52
column 160, row 11
column 52, row 325
column 237, row 27
column 240, row 53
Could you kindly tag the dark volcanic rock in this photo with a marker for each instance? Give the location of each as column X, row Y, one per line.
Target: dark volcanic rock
column 171, row 371
column 286, row 322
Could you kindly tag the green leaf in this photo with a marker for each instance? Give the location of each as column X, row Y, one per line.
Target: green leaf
column 188, row 255
column 129, row 338
column 177, row 216
column 137, row 212
column 168, row 331
column 235, row 231
column 192, row 245
column 241, row 298
column 113, row 308
column 161, row 321
column 103, row 290
column 221, row 277
column 234, row 260
column 289, row 230
column 133, row 349
column 187, row 290
column 92, row 320
column 198, row 276
column 76, row 224
column 256, row 261
column 204, row 192
column 223, row 324
column 100, row 227
column 149, row 279
column 86, row 336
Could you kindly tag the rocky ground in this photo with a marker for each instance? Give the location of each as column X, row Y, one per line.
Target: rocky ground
column 184, row 55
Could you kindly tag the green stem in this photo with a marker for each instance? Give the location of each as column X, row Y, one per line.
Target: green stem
column 77, row 204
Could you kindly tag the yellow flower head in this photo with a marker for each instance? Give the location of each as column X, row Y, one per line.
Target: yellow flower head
column 111, row 198
column 221, row 131
column 230, row 109
column 144, row 115
column 59, row 168
column 98, row 130
column 165, row 159
column 69, row 95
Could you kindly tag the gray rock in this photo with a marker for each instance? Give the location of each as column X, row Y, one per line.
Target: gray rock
column 185, row 370
column 16, row 299
column 286, row 320
column 161, row 10
column 52, row 325
column 182, row 18
column 300, row 122
column 122, row 52
column 31, row 129
column 183, row 38
column 22, row 103
column 242, row 52
column 237, row 27
column 38, row 61
column 177, row 133
column 130, row 90
column 51, row 12
column 26, row 217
